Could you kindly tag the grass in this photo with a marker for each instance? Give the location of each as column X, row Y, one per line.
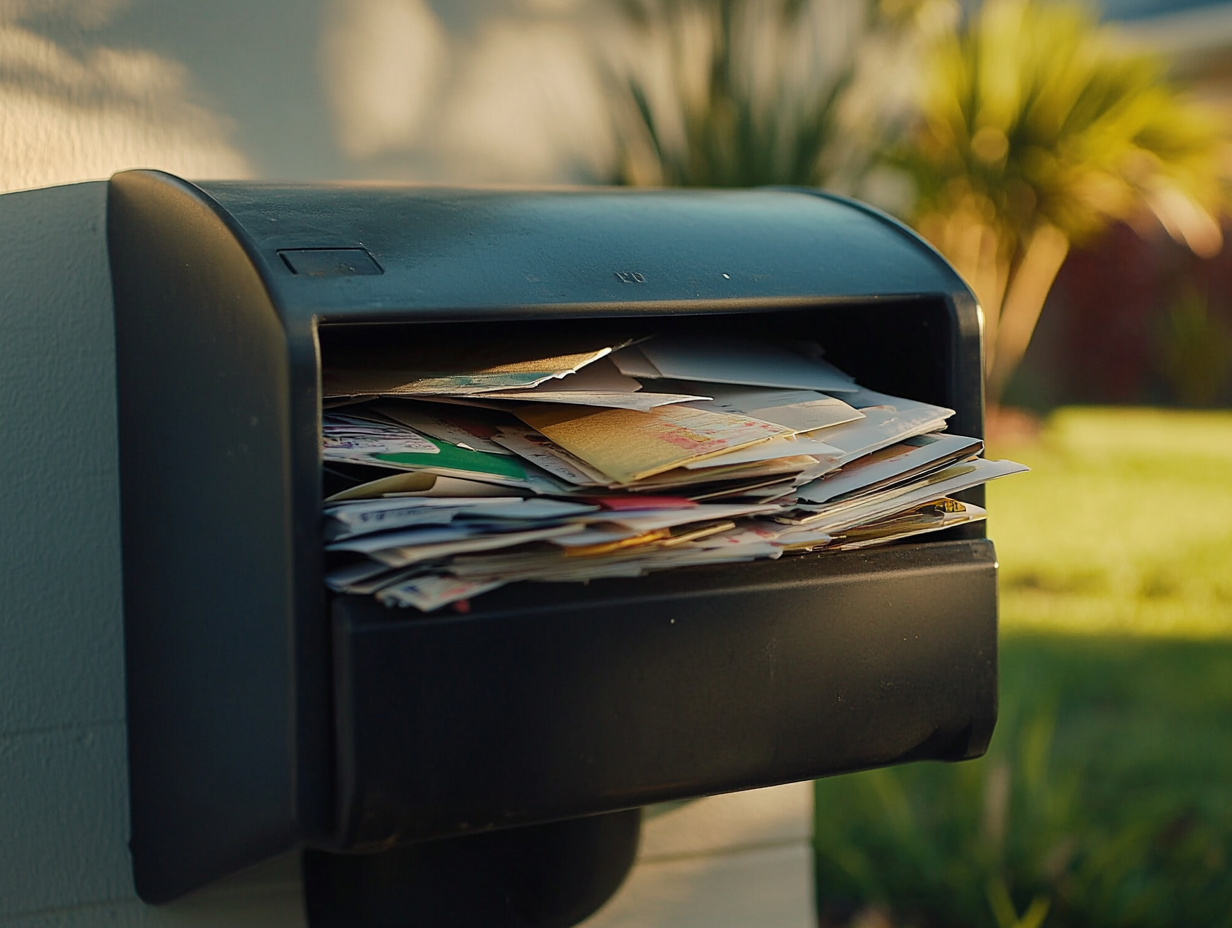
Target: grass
column 1106, row 796
column 1123, row 527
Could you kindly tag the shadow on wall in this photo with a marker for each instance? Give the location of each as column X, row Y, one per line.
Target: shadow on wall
column 496, row 91
column 485, row 90
column 79, row 114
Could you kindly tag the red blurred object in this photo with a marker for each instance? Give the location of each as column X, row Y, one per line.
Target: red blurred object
column 1100, row 336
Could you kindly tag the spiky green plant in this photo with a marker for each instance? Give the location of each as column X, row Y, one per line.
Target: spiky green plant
column 739, row 93
column 1038, row 127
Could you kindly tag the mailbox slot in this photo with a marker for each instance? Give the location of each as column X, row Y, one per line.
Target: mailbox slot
column 549, row 701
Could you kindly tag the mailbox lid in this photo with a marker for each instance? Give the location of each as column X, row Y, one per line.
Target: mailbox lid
column 359, row 252
column 547, row 701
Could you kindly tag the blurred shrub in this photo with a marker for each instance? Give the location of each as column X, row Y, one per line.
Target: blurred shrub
column 1037, row 128
column 1195, row 351
column 742, row 93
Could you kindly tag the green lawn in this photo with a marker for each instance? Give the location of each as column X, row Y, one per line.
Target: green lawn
column 1106, row 797
column 1123, row 527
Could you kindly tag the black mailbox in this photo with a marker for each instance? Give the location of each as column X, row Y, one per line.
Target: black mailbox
column 265, row 714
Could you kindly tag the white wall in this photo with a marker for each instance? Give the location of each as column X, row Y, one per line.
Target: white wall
column 735, row 861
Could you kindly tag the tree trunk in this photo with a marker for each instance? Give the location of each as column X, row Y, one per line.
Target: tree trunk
column 1025, row 294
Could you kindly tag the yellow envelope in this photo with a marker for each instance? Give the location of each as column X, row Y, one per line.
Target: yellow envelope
column 628, row 445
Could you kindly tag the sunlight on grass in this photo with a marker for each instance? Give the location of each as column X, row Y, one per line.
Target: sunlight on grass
column 1124, row 525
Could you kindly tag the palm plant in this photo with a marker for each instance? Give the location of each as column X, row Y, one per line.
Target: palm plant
column 1037, row 129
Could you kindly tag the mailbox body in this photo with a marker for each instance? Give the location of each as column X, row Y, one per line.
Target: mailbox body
column 265, row 714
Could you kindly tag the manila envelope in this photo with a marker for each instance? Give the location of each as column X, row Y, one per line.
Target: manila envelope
column 629, row 445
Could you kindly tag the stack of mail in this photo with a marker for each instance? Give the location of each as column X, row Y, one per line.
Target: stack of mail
column 451, row 474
